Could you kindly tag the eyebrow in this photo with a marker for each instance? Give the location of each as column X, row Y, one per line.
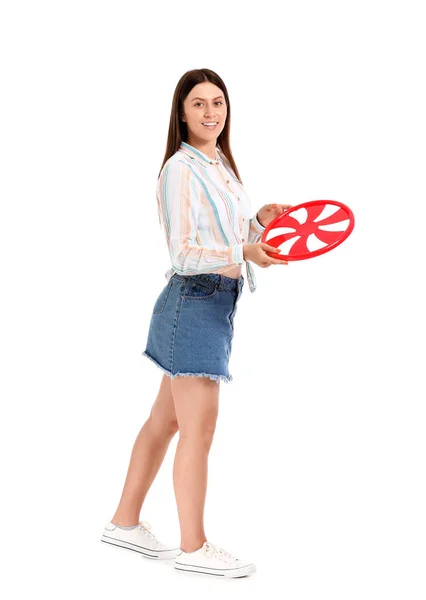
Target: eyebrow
column 205, row 98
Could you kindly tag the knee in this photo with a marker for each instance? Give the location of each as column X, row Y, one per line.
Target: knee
column 163, row 426
column 201, row 434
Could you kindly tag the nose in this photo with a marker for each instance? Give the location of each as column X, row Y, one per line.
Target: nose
column 210, row 112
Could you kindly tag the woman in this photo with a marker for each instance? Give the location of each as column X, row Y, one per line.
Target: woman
column 205, row 214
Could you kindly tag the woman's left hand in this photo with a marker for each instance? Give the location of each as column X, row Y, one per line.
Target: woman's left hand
column 270, row 211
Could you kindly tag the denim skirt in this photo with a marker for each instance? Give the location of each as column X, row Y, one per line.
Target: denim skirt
column 192, row 326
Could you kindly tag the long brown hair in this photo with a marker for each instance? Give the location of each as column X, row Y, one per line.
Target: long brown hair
column 178, row 129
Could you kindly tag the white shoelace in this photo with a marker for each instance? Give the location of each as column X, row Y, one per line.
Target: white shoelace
column 212, row 550
column 145, row 526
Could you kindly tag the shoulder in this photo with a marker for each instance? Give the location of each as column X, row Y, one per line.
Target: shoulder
column 180, row 165
column 177, row 164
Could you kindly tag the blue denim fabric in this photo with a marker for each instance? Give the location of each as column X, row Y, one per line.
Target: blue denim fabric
column 192, row 325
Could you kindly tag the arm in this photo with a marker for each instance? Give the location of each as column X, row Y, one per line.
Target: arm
column 178, row 202
column 255, row 230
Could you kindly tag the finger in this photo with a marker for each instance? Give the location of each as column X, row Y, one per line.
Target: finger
column 275, row 261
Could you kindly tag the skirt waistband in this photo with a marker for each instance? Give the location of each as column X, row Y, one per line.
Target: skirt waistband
column 220, row 281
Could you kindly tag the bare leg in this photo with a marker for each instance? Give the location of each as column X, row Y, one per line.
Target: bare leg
column 196, row 403
column 147, row 455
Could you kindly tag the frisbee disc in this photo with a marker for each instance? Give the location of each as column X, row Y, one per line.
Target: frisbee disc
column 309, row 229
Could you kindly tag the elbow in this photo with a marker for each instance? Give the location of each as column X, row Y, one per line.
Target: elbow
column 179, row 256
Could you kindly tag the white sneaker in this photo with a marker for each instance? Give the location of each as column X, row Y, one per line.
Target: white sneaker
column 212, row 560
column 139, row 539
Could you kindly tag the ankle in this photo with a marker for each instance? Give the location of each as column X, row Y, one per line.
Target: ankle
column 124, row 522
column 193, row 546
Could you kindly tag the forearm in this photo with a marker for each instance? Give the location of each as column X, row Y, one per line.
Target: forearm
column 191, row 259
column 255, row 230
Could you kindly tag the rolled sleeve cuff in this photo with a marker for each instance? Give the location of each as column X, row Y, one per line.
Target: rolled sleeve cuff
column 258, row 227
column 237, row 255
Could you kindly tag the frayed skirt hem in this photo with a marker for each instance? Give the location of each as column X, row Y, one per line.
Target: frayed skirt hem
column 216, row 378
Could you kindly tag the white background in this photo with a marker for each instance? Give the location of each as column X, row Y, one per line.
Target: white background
column 318, row 464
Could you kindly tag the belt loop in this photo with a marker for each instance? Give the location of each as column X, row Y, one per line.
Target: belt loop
column 220, row 284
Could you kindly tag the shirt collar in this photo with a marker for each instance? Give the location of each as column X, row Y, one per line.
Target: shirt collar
column 198, row 155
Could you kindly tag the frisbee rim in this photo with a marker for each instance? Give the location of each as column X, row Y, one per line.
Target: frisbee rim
column 306, row 255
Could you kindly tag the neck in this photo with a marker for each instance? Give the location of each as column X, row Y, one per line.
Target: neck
column 208, row 148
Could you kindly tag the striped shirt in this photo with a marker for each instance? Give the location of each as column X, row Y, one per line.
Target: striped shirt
column 205, row 214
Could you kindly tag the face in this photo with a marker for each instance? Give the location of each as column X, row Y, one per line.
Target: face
column 205, row 103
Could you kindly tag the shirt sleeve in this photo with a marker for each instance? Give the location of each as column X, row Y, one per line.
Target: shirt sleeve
column 178, row 203
column 255, row 230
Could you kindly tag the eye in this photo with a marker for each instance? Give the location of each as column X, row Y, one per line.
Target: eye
column 217, row 102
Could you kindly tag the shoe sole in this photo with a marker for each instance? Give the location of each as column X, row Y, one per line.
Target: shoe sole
column 145, row 552
column 241, row 572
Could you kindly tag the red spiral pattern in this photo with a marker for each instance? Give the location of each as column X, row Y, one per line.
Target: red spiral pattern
column 299, row 250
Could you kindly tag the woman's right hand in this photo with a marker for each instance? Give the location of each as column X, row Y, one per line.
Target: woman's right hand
column 257, row 254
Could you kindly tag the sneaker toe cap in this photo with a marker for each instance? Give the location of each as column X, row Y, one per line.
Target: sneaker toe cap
column 245, row 564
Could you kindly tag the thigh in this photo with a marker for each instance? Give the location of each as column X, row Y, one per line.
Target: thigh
column 196, row 401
